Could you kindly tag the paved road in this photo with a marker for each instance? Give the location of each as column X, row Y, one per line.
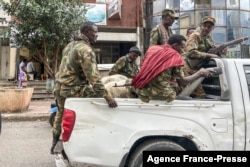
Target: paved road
column 26, row 144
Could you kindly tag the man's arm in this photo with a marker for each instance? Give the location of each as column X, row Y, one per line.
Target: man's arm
column 201, row 73
column 192, row 49
column 154, row 36
column 117, row 67
column 89, row 67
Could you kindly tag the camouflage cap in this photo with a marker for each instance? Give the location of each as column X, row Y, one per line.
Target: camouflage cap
column 170, row 12
column 208, row 19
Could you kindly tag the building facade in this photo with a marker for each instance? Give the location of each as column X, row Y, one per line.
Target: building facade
column 126, row 23
column 232, row 19
column 123, row 29
column 119, row 24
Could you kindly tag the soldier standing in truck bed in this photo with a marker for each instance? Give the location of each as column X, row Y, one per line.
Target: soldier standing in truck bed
column 197, row 46
column 160, row 34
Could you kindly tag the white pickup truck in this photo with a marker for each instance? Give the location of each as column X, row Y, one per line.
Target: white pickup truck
column 97, row 135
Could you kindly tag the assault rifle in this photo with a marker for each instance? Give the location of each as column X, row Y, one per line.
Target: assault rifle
column 215, row 50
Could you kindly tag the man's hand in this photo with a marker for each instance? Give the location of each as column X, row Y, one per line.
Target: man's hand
column 224, row 51
column 112, row 103
column 206, row 73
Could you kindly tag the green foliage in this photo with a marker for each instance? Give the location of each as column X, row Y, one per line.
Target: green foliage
column 44, row 26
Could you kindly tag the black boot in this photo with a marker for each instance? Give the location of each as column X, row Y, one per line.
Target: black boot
column 54, row 142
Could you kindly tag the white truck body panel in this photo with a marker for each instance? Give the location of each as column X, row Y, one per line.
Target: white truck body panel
column 97, row 124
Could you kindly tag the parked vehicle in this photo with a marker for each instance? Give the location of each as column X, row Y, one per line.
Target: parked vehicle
column 95, row 134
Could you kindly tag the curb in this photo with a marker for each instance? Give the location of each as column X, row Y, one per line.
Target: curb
column 25, row 117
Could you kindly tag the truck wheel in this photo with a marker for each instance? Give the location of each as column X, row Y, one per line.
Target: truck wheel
column 135, row 159
column 52, row 118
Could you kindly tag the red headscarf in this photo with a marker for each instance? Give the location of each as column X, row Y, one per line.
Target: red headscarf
column 157, row 59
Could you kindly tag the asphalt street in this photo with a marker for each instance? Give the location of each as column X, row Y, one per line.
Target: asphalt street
column 26, row 144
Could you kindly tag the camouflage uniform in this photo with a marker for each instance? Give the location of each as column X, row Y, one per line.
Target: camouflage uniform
column 159, row 35
column 197, row 47
column 124, row 66
column 160, row 88
column 78, row 76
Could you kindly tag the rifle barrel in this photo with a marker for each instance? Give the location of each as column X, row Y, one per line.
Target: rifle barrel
column 237, row 41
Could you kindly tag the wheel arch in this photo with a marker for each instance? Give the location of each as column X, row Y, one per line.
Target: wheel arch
column 184, row 142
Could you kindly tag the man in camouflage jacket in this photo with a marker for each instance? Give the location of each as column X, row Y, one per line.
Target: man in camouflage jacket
column 162, row 64
column 160, row 33
column 126, row 65
column 197, row 46
column 78, row 75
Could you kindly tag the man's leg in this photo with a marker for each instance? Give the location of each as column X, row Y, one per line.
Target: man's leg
column 35, row 74
column 57, row 123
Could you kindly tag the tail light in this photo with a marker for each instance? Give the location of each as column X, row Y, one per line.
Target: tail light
column 68, row 123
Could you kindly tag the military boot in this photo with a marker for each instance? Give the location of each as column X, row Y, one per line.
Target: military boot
column 54, row 142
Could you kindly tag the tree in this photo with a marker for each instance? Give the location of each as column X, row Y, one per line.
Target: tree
column 44, row 27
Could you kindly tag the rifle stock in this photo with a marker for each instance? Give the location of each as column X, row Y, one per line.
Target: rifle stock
column 215, row 50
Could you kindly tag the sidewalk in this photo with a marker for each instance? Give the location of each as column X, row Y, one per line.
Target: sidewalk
column 38, row 110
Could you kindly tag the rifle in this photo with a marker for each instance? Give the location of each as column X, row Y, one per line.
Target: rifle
column 124, row 85
column 215, row 50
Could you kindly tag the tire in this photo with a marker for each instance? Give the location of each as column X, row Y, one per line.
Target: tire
column 52, row 118
column 135, row 159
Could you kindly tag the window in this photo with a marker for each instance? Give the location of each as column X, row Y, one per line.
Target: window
column 233, row 4
column 245, row 32
column 211, row 85
column 233, row 18
column 201, row 13
column 186, row 5
column 110, row 52
column 187, row 19
column 158, row 6
column 219, row 35
column 245, row 19
column 174, row 4
column 220, row 16
column 203, row 4
column 245, row 4
column 221, row 4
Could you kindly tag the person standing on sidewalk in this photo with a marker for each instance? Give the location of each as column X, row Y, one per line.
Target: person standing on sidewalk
column 31, row 68
column 78, row 75
column 23, row 77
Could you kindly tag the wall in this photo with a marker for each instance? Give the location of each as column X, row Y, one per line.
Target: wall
column 7, row 62
column 128, row 14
